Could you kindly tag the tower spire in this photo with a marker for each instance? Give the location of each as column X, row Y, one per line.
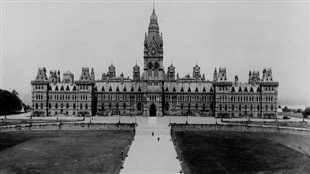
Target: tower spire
column 153, row 5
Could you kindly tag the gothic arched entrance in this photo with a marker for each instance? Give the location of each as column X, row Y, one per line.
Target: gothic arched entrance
column 153, row 110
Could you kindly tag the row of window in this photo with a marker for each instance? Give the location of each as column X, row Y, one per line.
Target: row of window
column 244, row 98
column 245, row 108
column 140, row 106
column 39, row 97
column 39, row 87
column 61, row 106
column 67, row 97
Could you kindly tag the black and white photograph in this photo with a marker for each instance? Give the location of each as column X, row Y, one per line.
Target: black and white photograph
column 155, row 86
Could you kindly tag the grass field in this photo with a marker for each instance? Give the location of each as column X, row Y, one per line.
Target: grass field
column 59, row 151
column 242, row 152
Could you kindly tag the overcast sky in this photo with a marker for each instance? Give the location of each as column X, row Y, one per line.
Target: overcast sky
column 241, row 36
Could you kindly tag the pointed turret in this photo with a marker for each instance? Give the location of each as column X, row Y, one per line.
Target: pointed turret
column 136, row 73
column 196, row 72
column 215, row 75
column 92, row 74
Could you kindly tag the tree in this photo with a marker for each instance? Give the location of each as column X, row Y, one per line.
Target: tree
column 306, row 112
column 9, row 102
column 285, row 109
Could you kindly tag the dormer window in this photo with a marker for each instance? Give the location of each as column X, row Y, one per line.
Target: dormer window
column 189, row 89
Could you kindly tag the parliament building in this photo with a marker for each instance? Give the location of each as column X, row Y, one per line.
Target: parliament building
column 152, row 91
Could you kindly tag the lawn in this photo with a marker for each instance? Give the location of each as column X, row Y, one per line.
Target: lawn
column 241, row 152
column 59, row 151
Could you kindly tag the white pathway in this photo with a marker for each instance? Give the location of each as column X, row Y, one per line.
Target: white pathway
column 147, row 154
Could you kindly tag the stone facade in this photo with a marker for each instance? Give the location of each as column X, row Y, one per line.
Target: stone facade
column 154, row 92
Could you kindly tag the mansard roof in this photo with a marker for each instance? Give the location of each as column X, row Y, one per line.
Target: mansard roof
column 244, row 87
column 62, row 87
column 120, row 86
column 188, row 87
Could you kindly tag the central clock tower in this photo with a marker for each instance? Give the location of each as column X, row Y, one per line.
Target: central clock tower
column 153, row 53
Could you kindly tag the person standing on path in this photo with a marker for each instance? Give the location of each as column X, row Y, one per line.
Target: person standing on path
column 158, row 139
column 152, row 134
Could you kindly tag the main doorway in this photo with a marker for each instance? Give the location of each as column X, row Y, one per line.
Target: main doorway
column 153, row 110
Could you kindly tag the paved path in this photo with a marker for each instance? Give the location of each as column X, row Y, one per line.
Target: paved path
column 147, row 154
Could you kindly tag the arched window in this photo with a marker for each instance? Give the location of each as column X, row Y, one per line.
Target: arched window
column 156, row 72
column 73, row 105
column 67, row 106
column 81, row 106
column 86, row 106
column 110, row 105
column 150, row 65
column 56, row 105
column 41, row 105
column 139, row 106
column 150, row 72
column 124, row 105
column 156, row 65
column 189, row 106
column 181, row 105
column 166, row 106
column 116, row 105
column 232, row 107
column 37, row 105
column 196, row 106
column 49, row 106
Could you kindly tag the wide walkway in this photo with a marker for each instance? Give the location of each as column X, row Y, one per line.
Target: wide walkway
column 147, row 154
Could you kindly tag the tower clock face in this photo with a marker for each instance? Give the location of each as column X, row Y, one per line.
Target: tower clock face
column 153, row 51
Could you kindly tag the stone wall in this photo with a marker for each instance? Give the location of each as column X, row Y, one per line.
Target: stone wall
column 238, row 127
column 68, row 126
